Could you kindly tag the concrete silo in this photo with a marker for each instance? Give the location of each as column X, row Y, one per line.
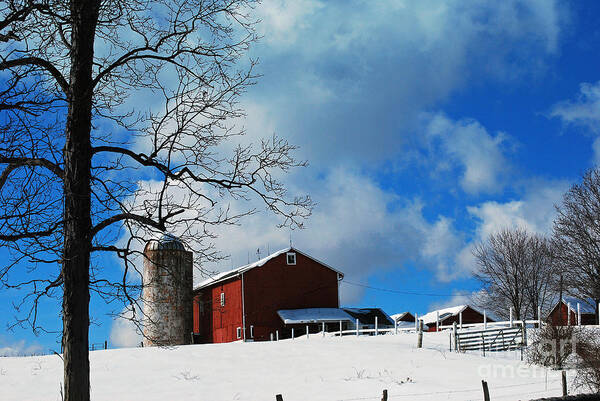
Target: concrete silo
column 167, row 292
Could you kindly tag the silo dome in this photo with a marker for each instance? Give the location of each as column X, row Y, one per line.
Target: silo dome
column 165, row 241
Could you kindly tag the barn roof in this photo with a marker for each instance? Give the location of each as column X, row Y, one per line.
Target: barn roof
column 399, row 316
column 313, row 315
column 367, row 315
column 239, row 270
column 445, row 313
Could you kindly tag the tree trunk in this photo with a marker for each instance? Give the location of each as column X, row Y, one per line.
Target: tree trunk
column 77, row 198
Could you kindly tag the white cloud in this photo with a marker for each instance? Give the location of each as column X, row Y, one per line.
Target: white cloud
column 480, row 155
column 124, row 333
column 18, row 348
column 584, row 111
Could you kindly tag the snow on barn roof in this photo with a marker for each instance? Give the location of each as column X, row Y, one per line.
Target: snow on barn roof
column 399, row 316
column 586, row 306
column 313, row 315
column 239, row 270
column 444, row 313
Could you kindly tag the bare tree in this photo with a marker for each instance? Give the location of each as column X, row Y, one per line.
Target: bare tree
column 515, row 269
column 577, row 234
column 116, row 124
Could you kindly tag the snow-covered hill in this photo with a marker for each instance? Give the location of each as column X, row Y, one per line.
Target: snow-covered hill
column 351, row 368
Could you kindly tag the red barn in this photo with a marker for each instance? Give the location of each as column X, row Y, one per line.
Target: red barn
column 560, row 317
column 242, row 304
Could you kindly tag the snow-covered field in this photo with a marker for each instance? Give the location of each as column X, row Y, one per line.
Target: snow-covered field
column 350, row 368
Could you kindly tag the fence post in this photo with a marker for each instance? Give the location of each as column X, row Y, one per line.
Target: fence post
column 460, row 319
column 578, row 314
column 277, row 335
column 564, row 383
column 484, row 319
column 376, row 326
column 105, row 344
column 340, row 329
column 483, row 343
column 416, row 321
column 420, row 335
column 599, row 313
column 539, row 317
column 486, row 392
column 357, row 328
column 455, row 333
column 278, row 397
column 292, row 333
column 395, row 326
column 271, row 334
column 437, row 320
column 511, row 316
column 384, row 397
column 568, row 313
column 323, row 327
column 307, row 331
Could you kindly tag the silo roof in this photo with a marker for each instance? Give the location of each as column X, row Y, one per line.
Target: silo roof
column 165, row 241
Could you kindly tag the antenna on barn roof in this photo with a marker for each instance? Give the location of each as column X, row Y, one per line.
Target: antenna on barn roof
column 257, row 253
column 248, row 257
column 291, row 240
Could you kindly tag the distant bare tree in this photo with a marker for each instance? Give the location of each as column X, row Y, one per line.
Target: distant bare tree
column 115, row 125
column 515, row 269
column 577, row 235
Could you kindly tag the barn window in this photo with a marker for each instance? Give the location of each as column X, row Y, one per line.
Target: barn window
column 222, row 299
column 291, row 258
column 239, row 332
column 251, row 331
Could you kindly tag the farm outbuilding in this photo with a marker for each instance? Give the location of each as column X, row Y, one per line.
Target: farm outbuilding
column 566, row 312
column 448, row 316
column 243, row 303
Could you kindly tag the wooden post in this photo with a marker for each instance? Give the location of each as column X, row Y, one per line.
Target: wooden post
column 376, row 327
column 292, row 333
column 564, row 383
column 106, row 344
column 277, row 335
column 484, row 319
column 417, row 321
column 568, row 313
column 307, row 331
column 384, row 397
column 483, row 344
column 271, row 336
column 340, row 329
column 539, row 317
column 578, row 314
column 455, row 333
column 437, row 320
column 357, row 327
column 486, row 392
column 323, row 328
column 395, row 326
column 511, row 316
column 460, row 319
column 278, row 397
column 420, row 335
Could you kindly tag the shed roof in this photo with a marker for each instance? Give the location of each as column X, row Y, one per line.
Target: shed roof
column 242, row 269
column 313, row 315
column 399, row 316
column 444, row 313
column 367, row 315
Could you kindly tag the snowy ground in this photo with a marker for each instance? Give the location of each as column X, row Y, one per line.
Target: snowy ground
column 351, row 368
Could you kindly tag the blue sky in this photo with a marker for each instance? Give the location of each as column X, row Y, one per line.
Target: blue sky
column 427, row 125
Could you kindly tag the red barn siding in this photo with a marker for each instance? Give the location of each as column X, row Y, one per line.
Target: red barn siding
column 216, row 323
column 277, row 285
column 267, row 289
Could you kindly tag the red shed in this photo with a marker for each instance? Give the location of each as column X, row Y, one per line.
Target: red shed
column 558, row 316
column 465, row 313
column 242, row 304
